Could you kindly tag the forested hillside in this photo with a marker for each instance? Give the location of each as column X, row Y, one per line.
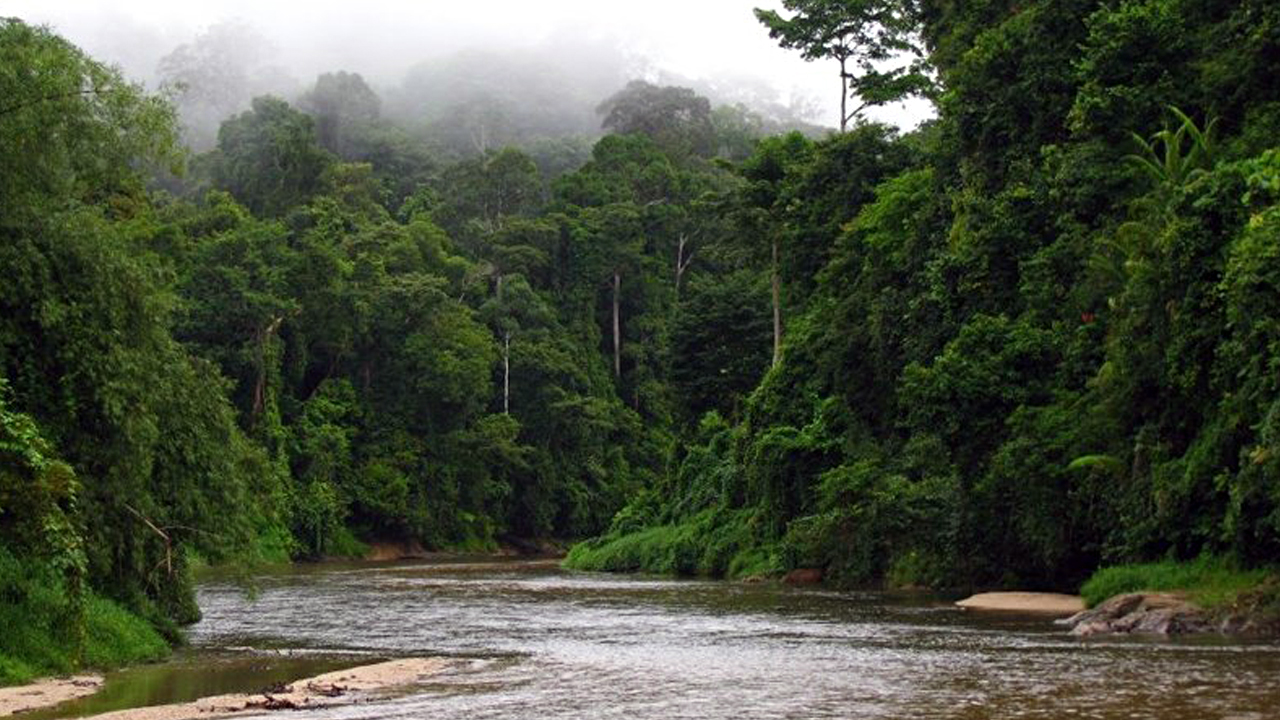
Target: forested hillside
column 1033, row 336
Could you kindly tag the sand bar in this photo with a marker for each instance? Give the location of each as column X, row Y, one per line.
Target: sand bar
column 47, row 692
column 1028, row 602
column 339, row 687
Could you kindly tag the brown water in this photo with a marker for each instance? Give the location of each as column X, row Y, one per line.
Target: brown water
column 539, row 642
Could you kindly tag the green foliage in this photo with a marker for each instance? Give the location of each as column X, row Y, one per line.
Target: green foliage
column 160, row 467
column 269, row 158
column 50, row 629
column 675, row 118
column 861, row 36
column 1017, row 346
column 73, row 129
column 999, row 350
column 1211, row 582
column 712, row 543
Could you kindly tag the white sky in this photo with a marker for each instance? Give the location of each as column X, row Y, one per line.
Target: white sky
column 383, row 38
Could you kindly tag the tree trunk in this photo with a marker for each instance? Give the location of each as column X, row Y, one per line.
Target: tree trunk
column 844, row 98
column 260, row 387
column 617, row 326
column 506, row 373
column 682, row 263
column 777, row 308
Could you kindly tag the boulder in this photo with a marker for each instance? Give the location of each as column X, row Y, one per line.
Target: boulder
column 1141, row 613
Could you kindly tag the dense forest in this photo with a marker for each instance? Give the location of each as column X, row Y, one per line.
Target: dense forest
column 1036, row 335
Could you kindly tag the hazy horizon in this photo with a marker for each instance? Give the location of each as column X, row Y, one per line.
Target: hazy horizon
column 712, row 44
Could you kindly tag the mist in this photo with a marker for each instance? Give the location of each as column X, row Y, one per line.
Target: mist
column 538, row 71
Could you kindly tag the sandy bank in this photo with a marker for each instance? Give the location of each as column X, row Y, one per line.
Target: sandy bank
column 340, row 687
column 335, row 688
column 47, row 692
column 1029, row 602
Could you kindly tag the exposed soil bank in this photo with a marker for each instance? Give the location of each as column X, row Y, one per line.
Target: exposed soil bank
column 508, row 547
column 339, row 687
column 1028, row 602
column 46, row 693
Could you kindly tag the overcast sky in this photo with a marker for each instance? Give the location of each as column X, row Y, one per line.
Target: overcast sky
column 383, row 38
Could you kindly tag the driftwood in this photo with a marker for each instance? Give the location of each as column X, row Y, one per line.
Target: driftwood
column 327, row 689
column 270, row 702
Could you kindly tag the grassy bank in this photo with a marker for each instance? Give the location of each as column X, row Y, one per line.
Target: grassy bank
column 1209, row 582
column 46, row 633
column 707, row 544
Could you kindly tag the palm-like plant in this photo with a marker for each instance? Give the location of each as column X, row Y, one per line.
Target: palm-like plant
column 1174, row 159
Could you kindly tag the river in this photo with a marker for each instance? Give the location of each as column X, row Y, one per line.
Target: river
column 534, row 641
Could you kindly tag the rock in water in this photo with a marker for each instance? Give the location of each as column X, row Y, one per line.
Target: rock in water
column 1144, row 613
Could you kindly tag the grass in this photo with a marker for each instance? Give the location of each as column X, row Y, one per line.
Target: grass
column 1209, row 582
column 41, row 636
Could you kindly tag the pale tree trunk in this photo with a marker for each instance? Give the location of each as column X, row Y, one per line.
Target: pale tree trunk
column 506, row 373
column 617, row 326
column 506, row 355
column 682, row 263
column 844, row 97
column 777, row 308
column 260, row 387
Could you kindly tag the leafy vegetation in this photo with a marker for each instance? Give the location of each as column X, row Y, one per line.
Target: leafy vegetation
column 1210, row 582
column 1023, row 348
column 1034, row 336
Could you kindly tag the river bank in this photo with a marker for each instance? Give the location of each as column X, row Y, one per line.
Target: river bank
column 46, row 693
column 338, row 687
column 1024, row 602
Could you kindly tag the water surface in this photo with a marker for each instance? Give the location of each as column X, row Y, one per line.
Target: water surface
column 538, row 642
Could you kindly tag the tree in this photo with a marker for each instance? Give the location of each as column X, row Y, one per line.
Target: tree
column 515, row 307
column 215, row 75
column 343, row 107
column 861, row 35
column 762, row 206
column 675, row 118
column 481, row 194
column 268, row 157
column 72, row 128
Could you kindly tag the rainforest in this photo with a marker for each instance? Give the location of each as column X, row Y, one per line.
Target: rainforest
column 1030, row 340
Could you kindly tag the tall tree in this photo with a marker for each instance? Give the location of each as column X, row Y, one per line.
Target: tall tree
column 677, row 119
column 862, row 36
column 343, row 106
column 215, row 76
column 268, row 157
column 762, row 208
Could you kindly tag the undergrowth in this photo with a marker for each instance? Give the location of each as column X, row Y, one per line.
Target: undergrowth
column 1210, row 582
column 43, row 631
column 713, row 543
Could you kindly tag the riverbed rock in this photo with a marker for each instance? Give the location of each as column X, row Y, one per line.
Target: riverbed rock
column 1142, row 613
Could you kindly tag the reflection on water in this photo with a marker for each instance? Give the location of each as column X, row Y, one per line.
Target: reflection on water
column 195, row 675
column 550, row 644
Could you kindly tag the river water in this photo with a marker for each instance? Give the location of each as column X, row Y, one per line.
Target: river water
column 534, row 641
